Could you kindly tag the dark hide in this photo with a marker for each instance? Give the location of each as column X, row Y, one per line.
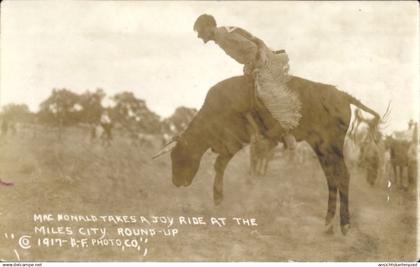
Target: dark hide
column 222, row 126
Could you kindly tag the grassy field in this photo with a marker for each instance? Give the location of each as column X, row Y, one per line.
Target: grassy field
column 76, row 177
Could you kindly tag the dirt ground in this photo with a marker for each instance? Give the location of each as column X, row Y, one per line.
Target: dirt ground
column 289, row 204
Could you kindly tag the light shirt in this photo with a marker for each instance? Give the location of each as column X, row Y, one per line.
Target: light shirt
column 237, row 43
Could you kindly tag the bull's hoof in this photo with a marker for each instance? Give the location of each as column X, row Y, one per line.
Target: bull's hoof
column 217, row 198
column 345, row 228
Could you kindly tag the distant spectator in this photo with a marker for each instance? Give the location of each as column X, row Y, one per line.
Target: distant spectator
column 412, row 165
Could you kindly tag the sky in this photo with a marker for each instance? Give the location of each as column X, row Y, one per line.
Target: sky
column 368, row 49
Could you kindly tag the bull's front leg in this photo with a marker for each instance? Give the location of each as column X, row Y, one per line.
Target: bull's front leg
column 220, row 166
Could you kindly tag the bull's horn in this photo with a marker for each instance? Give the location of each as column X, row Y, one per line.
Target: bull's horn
column 173, row 139
column 167, row 148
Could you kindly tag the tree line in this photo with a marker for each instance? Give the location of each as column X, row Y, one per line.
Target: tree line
column 65, row 108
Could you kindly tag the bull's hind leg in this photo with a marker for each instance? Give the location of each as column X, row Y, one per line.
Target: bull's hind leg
column 332, row 191
column 343, row 178
column 335, row 170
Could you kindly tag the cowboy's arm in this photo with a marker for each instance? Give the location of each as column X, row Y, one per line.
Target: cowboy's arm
column 250, row 67
column 257, row 41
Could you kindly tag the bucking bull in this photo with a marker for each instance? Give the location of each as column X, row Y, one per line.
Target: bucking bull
column 221, row 125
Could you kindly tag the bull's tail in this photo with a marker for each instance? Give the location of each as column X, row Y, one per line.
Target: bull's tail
column 352, row 100
column 374, row 123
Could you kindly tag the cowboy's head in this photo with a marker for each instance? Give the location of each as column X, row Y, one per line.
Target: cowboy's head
column 205, row 26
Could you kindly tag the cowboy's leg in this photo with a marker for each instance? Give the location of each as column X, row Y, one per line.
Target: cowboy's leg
column 275, row 129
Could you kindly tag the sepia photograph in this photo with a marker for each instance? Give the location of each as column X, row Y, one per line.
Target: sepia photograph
column 209, row 131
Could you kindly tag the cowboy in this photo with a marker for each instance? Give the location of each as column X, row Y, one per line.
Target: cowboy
column 268, row 69
column 106, row 124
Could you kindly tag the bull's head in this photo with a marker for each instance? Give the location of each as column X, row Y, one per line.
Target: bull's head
column 185, row 161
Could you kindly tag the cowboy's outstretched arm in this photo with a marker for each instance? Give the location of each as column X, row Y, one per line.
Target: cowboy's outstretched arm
column 260, row 43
